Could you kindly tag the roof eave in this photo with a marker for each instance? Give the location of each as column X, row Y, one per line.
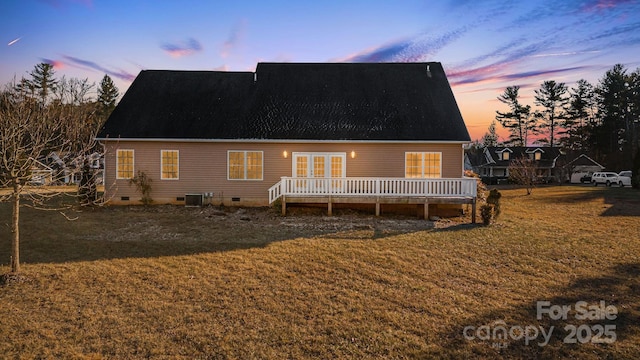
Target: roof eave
column 283, row 141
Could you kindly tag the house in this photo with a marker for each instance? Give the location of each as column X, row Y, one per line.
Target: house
column 68, row 167
column 380, row 133
column 582, row 167
column 493, row 164
column 41, row 174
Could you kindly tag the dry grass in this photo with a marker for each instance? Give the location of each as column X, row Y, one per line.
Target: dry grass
column 170, row 282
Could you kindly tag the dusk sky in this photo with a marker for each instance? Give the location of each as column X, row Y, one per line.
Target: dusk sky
column 484, row 46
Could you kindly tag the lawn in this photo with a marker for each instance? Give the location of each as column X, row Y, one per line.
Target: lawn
column 172, row 282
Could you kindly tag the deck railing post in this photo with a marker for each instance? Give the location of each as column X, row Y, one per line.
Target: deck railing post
column 283, row 185
column 473, row 211
column 284, row 205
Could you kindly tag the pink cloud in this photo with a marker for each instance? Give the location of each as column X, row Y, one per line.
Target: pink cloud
column 57, row 64
column 602, row 5
column 235, row 38
column 185, row 48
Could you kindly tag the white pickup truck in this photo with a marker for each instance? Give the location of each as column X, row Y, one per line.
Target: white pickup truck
column 624, row 178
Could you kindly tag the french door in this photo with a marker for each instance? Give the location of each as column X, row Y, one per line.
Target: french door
column 309, row 166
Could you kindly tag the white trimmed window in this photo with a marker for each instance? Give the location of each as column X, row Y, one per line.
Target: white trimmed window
column 423, row 164
column 124, row 164
column 244, row 165
column 170, row 164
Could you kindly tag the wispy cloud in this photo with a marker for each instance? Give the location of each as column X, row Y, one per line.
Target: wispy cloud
column 617, row 31
column 536, row 73
column 567, row 53
column 602, row 5
column 528, row 50
column 61, row 3
column 506, row 57
column 185, row 48
column 501, row 64
column 419, row 48
column 499, row 52
column 387, row 52
column 235, row 38
column 120, row 74
column 475, row 75
column 495, row 89
column 496, row 73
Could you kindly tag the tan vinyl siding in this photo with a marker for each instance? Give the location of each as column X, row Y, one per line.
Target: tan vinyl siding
column 203, row 166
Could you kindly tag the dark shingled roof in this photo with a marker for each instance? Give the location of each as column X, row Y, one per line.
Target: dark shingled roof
column 292, row 101
column 548, row 155
column 584, row 160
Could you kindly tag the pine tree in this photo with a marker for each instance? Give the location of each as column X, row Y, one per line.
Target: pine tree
column 518, row 121
column 552, row 97
column 491, row 137
column 613, row 136
column 581, row 116
column 107, row 96
column 43, row 81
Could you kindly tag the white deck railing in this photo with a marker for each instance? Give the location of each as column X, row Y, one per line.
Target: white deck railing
column 361, row 186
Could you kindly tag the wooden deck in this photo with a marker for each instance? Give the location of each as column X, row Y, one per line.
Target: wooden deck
column 376, row 191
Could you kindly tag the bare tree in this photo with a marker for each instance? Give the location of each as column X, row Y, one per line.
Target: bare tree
column 523, row 171
column 30, row 130
column 73, row 96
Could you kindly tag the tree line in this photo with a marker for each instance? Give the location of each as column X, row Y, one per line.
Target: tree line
column 601, row 120
column 41, row 115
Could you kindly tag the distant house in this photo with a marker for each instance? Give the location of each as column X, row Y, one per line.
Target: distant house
column 290, row 132
column 41, row 174
column 581, row 168
column 492, row 165
column 68, row 167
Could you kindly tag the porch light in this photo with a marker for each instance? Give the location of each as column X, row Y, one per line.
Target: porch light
column 285, row 154
column 353, row 154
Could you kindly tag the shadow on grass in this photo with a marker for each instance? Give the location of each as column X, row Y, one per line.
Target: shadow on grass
column 624, row 201
column 619, row 287
column 164, row 230
column 459, row 227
